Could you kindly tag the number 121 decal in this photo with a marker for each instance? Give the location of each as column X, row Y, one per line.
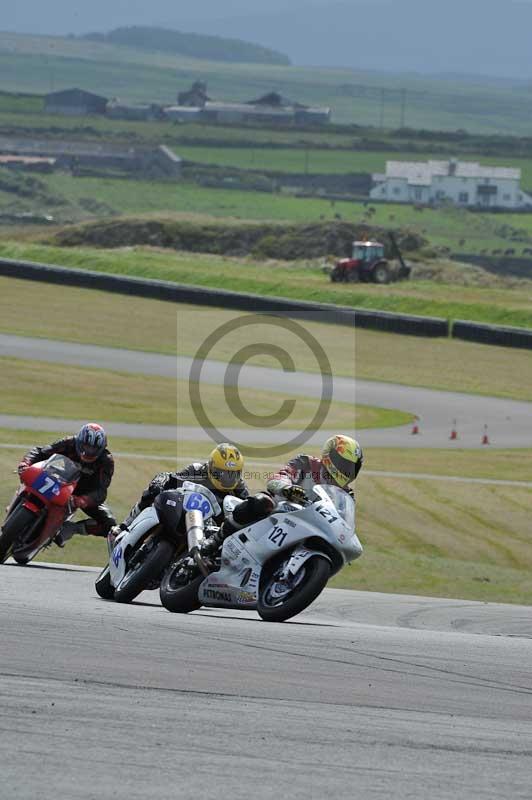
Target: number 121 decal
column 277, row 536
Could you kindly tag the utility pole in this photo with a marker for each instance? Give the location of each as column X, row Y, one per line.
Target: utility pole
column 381, row 114
column 403, row 108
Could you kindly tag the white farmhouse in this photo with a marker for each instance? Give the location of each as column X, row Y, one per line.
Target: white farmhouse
column 461, row 183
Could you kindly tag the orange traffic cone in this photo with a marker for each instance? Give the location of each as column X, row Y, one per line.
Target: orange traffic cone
column 485, row 439
column 415, row 425
column 454, row 432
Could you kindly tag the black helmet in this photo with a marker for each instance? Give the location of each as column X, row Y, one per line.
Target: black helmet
column 91, row 441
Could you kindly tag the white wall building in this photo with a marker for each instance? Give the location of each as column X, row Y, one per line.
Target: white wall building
column 461, row 183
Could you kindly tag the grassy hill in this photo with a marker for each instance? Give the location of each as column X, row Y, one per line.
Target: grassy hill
column 214, row 48
column 31, row 63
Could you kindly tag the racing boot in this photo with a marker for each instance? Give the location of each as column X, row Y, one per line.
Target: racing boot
column 67, row 531
column 114, row 533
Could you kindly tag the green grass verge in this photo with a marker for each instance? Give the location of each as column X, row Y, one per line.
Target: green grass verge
column 169, row 328
column 293, row 280
column 83, row 393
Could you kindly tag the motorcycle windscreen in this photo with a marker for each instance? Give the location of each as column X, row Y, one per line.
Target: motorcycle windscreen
column 62, row 469
column 200, row 498
column 343, row 502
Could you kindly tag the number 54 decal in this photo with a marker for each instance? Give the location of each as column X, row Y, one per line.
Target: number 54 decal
column 277, row 536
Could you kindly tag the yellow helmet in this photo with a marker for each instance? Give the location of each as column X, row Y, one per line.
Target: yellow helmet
column 225, row 467
column 342, row 457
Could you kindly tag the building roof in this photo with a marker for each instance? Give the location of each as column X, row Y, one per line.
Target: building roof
column 273, row 99
column 79, row 94
column 420, row 173
column 245, row 108
column 26, row 160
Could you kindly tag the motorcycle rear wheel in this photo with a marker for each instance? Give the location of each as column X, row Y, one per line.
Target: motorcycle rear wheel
column 13, row 527
column 180, row 599
column 103, row 584
column 306, row 587
column 144, row 573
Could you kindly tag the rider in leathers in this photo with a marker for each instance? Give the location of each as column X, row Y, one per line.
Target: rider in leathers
column 221, row 474
column 89, row 450
column 340, row 462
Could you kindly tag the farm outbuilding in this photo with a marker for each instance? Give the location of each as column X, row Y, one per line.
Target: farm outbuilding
column 76, row 102
column 146, row 111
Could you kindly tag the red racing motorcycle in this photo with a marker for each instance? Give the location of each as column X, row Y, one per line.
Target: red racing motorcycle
column 39, row 508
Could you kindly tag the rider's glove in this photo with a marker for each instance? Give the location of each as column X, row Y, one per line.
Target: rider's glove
column 294, row 494
column 80, row 501
column 21, row 467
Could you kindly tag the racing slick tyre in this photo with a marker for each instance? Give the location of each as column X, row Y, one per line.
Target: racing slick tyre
column 14, row 526
column 179, row 597
column 103, row 584
column 279, row 600
column 145, row 571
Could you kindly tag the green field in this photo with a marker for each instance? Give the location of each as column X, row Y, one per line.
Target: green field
column 41, row 63
column 169, row 328
column 319, row 161
column 73, row 199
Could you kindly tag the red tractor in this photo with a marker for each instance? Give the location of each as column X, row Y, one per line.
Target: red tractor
column 369, row 264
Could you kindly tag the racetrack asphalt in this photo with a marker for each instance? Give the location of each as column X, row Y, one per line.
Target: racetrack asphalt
column 361, row 696
column 508, row 421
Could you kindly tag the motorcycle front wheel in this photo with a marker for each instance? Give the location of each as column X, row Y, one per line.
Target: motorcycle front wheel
column 278, row 600
column 178, row 594
column 15, row 525
column 145, row 571
column 103, row 584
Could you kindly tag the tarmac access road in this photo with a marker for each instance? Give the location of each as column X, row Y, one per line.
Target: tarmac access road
column 508, row 421
column 363, row 695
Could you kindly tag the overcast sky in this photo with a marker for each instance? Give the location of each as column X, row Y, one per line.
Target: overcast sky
column 490, row 37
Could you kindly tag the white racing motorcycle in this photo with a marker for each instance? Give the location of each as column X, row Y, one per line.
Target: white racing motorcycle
column 139, row 555
column 277, row 566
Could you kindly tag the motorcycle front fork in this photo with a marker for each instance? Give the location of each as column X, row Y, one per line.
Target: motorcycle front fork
column 11, row 505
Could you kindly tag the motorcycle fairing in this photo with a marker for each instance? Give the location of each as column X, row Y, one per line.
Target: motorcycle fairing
column 236, row 582
column 147, row 519
column 45, row 492
column 245, row 552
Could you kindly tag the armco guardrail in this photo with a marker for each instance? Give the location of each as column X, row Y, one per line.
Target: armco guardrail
column 197, row 295
column 492, row 334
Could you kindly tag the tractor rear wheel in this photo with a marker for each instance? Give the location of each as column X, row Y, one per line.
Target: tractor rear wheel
column 381, row 273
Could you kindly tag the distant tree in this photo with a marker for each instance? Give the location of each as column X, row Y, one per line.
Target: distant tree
column 213, row 48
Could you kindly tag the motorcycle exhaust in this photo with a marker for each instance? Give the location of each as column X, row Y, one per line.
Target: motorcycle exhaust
column 195, row 538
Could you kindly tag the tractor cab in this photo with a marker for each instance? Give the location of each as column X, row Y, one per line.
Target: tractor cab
column 368, row 263
column 367, row 252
